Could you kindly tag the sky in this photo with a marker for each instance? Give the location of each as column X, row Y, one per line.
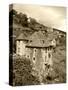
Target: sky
column 51, row 16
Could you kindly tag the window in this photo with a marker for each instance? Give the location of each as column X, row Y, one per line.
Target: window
column 35, row 50
column 30, row 40
column 28, row 56
column 49, row 55
column 34, row 58
column 45, row 58
column 40, row 27
column 43, row 41
column 19, row 41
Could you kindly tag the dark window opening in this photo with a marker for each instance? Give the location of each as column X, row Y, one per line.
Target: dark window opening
column 30, row 40
column 46, row 64
column 40, row 27
column 50, row 47
column 28, row 56
column 35, row 50
column 43, row 41
column 45, row 58
column 34, row 58
column 49, row 55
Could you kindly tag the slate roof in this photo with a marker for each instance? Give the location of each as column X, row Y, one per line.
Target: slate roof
column 38, row 39
column 37, row 35
column 38, row 43
column 22, row 36
column 50, row 36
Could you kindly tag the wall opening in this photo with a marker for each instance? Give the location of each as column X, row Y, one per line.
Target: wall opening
column 43, row 41
column 28, row 56
column 35, row 50
column 49, row 55
column 34, row 58
column 30, row 41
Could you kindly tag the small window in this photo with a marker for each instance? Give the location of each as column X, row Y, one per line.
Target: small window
column 49, row 55
column 28, row 56
column 43, row 41
column 40, row 27
column 34, row 58
column 35, row 50
column 45, row 58
column 30, row 40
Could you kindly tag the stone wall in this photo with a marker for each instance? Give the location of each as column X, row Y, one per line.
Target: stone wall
column 20, row 47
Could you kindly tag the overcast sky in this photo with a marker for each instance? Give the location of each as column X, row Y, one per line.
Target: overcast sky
column 49, row 16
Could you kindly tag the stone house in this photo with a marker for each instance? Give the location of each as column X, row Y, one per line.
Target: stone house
column 39, row 50
column 21, row 42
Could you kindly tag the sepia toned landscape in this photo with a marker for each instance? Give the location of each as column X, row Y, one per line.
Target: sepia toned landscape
column 37, row 52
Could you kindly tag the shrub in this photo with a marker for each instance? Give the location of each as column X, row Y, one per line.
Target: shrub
column 22, row 72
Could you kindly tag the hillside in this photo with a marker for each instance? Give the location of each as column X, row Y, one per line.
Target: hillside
column 20, row 23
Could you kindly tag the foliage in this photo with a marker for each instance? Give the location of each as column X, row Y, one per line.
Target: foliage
column 22, row 68
column 22, row 72
column 18, row 18
column 23, row 19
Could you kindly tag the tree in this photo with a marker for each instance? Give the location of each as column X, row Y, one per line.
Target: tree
column 22, row 69
column 13, row 12
column 23, row 20
column 32, row 22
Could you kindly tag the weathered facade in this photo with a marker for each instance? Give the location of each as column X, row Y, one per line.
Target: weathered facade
column 38, row 48
column 21, row 42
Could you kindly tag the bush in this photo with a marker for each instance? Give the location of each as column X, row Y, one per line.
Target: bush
column 22, row 72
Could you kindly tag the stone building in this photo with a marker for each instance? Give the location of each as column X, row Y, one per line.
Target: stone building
column 39, row 50
column 21, row 42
